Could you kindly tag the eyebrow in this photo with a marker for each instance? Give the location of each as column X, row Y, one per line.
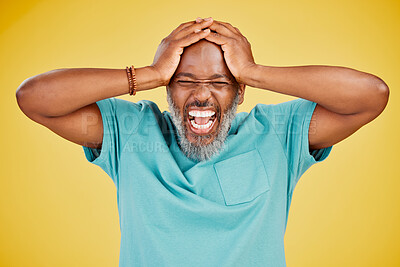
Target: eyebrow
column 191, row 75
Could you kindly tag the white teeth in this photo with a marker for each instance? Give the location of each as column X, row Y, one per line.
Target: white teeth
column 199, row 126
column 198, row 113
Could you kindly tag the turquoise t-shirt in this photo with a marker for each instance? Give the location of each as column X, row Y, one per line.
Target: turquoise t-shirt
column 231, row 210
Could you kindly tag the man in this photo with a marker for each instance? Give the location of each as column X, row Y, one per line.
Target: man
column 201, row 185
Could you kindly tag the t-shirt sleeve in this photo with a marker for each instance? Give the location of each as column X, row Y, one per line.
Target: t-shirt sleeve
column 108, row 155
column 292, row 123
column 124, row 124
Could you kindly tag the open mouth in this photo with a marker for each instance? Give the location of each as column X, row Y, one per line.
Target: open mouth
column 201, row 122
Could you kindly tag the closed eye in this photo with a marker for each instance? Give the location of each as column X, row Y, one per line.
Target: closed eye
column 185, row 82
column 195, row 82
column 220, row 82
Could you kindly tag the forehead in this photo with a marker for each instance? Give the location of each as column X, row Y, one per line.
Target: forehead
column 203, row 60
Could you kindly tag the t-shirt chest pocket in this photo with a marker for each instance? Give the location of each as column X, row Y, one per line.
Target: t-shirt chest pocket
column 242, row 178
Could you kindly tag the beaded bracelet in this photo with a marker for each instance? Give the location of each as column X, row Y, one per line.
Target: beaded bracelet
column 132, row 80
column 133, row 73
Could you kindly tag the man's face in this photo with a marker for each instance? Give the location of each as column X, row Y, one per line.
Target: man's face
column 203, row 111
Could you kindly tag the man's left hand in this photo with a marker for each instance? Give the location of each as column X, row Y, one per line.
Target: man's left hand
column 237, row 49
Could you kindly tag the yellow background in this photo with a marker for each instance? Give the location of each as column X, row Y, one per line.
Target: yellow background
column 59, row 210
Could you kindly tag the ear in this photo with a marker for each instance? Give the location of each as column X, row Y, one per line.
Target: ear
column 242, row 88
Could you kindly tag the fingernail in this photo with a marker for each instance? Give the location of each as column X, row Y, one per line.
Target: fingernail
column 198, row 19
column 207, row 19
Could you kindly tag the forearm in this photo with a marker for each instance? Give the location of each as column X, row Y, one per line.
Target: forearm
column 338, row 89
column 62, row 91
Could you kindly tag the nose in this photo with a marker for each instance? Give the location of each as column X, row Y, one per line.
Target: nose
column 202, row 92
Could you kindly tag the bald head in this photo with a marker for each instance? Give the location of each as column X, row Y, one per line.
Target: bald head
column 204, row 59
column 205, row 52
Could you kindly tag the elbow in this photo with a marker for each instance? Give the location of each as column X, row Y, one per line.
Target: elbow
column 383, row 93
column 23, row 96
column 379, row 97
column 20, row 94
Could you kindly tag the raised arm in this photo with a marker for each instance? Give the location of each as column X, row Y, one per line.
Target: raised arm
column 346, row 98
column 64, row 100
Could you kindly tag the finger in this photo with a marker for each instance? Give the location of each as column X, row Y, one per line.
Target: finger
column 190, row 29
column 232, row 28
column 222, row 29
column 218, row 38
column 238, row 30
column 182, row 26
column 198, row 19
column 193, row 37
column 229, row 26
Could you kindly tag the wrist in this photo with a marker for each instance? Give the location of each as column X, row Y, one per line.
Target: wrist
column 249, row 75
column 147, row 78
column 158, row 78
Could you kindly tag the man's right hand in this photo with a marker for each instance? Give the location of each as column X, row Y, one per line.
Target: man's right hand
column 169, row 51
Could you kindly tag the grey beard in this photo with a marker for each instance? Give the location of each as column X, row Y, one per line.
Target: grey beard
column 198, row 150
